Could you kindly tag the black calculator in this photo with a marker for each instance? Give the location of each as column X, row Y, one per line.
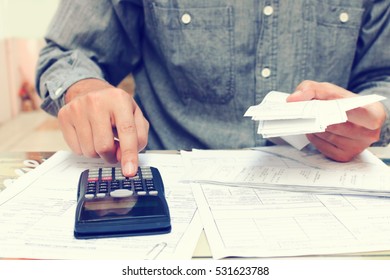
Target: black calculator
column 111, row 205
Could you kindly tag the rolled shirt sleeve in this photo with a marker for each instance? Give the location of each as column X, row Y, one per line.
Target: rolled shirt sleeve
column 85, row 40
column 69, row 69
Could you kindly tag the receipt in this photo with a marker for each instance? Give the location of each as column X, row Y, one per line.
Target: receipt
column 292, row 120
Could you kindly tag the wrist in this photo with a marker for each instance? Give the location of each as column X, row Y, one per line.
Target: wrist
column 84, row 86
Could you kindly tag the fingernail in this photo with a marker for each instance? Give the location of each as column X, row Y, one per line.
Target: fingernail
column 129, row 169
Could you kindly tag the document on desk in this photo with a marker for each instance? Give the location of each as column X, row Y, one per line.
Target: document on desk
column 261, row 222
column 281, row 172
column 292, row 120
column 37, row 215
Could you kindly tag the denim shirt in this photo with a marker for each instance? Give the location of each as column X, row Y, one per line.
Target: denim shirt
column 198, row 65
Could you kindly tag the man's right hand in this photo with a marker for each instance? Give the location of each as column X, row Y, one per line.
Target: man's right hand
column 94, row 113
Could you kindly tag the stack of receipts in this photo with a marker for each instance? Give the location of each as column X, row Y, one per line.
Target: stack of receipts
column 278, row 118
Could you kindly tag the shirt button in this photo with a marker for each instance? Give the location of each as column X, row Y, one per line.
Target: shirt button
column 186, row 18
column 268, row 10
column 266, row 72
column 344, row 17
column 58, row 91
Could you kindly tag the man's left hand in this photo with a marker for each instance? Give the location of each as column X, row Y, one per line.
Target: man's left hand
column 342, row 142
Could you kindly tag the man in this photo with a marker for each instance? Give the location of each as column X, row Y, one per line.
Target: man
column 198, row 65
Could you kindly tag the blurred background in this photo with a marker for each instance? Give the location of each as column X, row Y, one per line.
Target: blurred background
column 23, row 125
column 23, row 24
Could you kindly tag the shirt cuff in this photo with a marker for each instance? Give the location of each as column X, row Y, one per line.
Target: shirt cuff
column 56, row 80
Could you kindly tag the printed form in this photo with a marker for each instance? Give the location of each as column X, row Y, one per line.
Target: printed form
column 259, row 222
column 37, row 215
column 269, row 174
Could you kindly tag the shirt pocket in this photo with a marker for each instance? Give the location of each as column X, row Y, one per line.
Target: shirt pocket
column 336, row 30
column 196, row 45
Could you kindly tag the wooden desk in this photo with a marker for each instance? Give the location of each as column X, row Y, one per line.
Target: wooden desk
column 11, row 161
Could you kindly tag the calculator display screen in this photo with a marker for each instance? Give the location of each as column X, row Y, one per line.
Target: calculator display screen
column 133, row 206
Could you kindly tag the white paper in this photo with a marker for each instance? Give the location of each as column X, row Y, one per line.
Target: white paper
column 278, row 173
column 249, row 222
column 37, row 215
column 279, row 118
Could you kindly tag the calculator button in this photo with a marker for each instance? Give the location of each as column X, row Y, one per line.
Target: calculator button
column 139, row 189
column 147, row 173
column 121, row 193
column 137, row 182
column 89, row 195
column 151, row 190
column 94, row 172
column 107, row 178
column 118, row 174
column 106, row 174
column 115, row 185
column 120, row 177
column 103, row 185
column 103, row 190
column 93, row 175
column 93, row 178
column 90, row 191
column 106, row 170
column 126, row 184
column 149, row 182
column 154, row 192
column 100, row 195
column 141, row 193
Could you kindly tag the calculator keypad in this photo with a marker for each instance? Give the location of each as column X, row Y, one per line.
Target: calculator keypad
column 104, row 182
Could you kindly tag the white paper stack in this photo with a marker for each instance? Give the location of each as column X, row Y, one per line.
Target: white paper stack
column 279, row 118
column 279, row 168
